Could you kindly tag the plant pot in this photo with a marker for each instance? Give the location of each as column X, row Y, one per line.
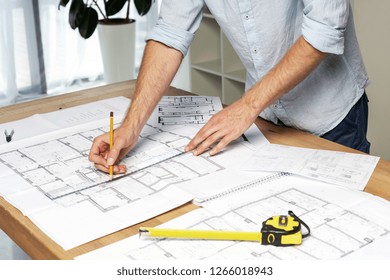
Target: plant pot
column 117, row 44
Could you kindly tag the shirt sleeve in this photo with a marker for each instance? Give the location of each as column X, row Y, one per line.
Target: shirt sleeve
column 324, row 24
column 177, row 23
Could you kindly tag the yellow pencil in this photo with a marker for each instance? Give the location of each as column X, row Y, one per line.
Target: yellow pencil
column 111, row 138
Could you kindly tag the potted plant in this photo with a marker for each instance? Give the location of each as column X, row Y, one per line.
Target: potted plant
column 116, row 35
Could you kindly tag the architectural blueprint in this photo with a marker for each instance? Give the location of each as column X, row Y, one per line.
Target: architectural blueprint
column 336, row 231
column 187, row 109
column 60, row 167
column 59, row 175
column 49, row 178
column 348, row 170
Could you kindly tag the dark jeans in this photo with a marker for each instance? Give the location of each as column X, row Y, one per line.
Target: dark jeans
column 352, row 130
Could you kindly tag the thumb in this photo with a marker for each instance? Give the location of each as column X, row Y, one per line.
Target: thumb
column 115, row 150
column 112, row 156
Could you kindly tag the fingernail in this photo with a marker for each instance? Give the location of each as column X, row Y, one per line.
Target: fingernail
column 110, row 161
column 186, row 149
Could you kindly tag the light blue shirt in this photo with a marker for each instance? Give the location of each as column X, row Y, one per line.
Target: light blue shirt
column 261, row 32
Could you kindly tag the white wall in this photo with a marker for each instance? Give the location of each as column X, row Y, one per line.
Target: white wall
column 372, row 20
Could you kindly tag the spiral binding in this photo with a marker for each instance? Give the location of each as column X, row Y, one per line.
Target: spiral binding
column 252, row 184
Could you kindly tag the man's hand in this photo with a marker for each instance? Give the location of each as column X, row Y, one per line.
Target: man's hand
column 159, row 66
column 103, row 157
column 299, row 61
column 225, row 126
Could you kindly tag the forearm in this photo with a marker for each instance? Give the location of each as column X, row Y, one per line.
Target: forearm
column 159, row 66
column 295, row 66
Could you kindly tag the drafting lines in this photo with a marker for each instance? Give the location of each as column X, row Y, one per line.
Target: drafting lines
column 336, row 232
column 186, row 109
column 60, row 168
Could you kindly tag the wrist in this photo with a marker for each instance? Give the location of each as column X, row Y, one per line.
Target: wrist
column 131, row 127
column 254, row 102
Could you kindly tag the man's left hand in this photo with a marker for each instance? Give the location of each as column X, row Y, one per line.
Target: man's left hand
column 224, row 127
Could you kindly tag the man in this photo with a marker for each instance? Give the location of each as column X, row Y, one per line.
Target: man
column 304, row 70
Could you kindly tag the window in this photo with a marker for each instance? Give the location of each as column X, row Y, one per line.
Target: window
column 40, row 54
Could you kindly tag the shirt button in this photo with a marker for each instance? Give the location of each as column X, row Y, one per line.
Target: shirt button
column 275, row 106
column 246, row 17
column 255, row 50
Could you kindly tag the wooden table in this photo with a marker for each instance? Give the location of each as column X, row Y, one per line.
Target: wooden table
column 37, row 245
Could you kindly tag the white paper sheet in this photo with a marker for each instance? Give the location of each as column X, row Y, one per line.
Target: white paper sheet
column 173, row 110
column 229, row 177
column 90, row 112
column 28, row 127
column 341, row 228
column 73, row 203
column 40, row 124
column 344, row 169
column 61, row 191
column 255, row 137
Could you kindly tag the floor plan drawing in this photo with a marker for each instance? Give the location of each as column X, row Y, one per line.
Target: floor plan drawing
column 58, row 186
column 336, row 232
column 60, row 168
column 331, row 238
column 187, row 109
column 349, row 170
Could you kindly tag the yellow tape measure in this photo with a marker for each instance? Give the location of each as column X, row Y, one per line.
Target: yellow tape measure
column 283, row 230
column 277, row 231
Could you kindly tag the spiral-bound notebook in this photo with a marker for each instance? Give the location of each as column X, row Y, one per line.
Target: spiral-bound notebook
column 239, row 188
column 345, row 223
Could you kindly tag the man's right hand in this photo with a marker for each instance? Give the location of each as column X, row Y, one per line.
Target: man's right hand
column 101, row 155
column 159, row 65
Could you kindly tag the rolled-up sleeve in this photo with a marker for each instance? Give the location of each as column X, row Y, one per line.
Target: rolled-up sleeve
column 324, row 24
column 177, row 23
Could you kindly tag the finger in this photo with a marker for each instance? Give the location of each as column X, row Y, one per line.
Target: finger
column 98, row 149
column 113, row 154
column 221, row 144
column 101, row 167
column 206, row 144
column 202, row 134
column 117, row 169
column 98, row 159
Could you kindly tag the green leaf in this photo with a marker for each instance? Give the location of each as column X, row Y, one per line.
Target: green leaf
column 114, row 6
column 76, row 12
column 143, row 6
column 88, row 23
